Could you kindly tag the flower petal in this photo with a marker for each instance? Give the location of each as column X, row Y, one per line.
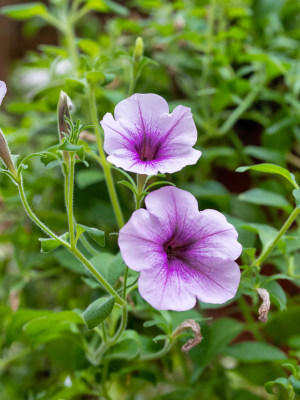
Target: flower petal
column 172, row 206
column 215, row 239
column 3, row 91
column 141, row 108
column 174, row 286
column 178, row 127
column 163, row 288
column 141, row 242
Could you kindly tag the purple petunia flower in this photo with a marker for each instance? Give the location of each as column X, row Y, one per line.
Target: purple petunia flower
column 182, row 254
column 146, row 139
column 3, row 91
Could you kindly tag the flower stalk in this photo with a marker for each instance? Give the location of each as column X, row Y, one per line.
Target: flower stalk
column 266, row 252
column 62, row 242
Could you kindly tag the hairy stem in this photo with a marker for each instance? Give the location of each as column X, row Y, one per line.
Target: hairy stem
column 74, row 250
column 70, row 200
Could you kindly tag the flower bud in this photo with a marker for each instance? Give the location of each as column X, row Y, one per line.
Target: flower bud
column 3, row 91
column 5, row 155
column 265, row 306
column 189, row 324
column 138, row 50
column 63, row 109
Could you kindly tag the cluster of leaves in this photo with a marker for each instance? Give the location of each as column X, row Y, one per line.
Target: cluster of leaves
column 237, row 65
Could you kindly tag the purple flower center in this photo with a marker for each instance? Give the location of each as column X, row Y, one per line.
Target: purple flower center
column 174, row 250
column 147, row 149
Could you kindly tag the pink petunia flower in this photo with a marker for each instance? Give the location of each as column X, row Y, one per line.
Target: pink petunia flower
column 183, row 254
column 144, row 138
column 3, row 91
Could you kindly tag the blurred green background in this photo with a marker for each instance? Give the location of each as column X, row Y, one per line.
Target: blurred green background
column 236, row 63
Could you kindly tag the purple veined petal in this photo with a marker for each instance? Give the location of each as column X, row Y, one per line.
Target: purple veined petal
column 172, row 206
column 183, row 254
column 215, row 238
column 141, row 248
column 163, row 288
column 145, row 139
column 178, row 127
column 141, row 107
column 129, row 161
column 176, row 287
column 3, row 91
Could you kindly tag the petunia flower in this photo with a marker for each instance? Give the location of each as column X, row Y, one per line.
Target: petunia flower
column 143, row 137
column 183, row 254
column 3, row 91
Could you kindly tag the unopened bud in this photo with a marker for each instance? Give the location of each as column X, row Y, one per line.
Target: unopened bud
column 63, row 109
column 5, row 155
column 138, row 50
column 189, row 324
column 265, row 306
column 3, row 91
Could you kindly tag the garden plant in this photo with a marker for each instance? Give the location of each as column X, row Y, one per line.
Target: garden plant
column 150, row 201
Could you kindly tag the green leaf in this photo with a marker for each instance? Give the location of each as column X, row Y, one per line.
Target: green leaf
column 67, row 146
column 95, row 77
column 110, row 266
column 277, row 294
column 98, row 311
column 265, row 232
column 265, row 198
column 75, row 85
column 19, row 319
column 53, row 326
column 50, row 244
column 296, row 194
column 128, row 185
column 272, row 169
column 108, row 78
column 265, row 154
column 215, row 339
column 279, row 381
column 25, row 11
column 116, row 8
column 296, row 384
column 87, row 177
column 96, row 234
column 160, row 183
column 127, row 348
column 255, row 352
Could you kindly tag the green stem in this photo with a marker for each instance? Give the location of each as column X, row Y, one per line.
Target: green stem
column 35, row 218
column 105, row 165
column 74, row 250
column 141, row 180
column 122, row 326
column 125, row 283
column 132, row 81
column 265, row 253
column 70, row 200
column 71, row 43
column 160, row 353
column 235, row 115
column 98, row 276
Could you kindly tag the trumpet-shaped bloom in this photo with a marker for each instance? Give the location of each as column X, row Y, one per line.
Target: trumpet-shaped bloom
column 143, row 137
column 3, row 91
column 182, row 254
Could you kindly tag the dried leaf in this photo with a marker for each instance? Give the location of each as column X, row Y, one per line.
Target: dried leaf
column 195, row 327
column 265, row 306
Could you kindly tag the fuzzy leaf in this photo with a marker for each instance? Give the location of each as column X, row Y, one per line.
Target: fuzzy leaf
column 98, row 311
